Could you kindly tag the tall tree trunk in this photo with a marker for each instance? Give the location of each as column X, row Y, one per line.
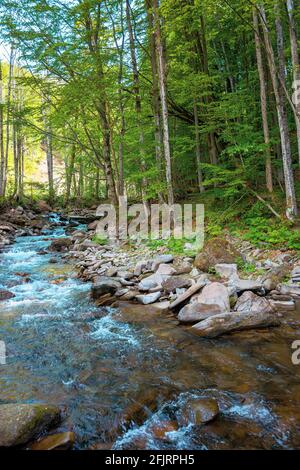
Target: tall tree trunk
column 158, row 133
column 163, row 99
column 263, row 101
column 2, row 154
column 291, row 204
column 3, row 181
column 296, row 66
column 198, row 148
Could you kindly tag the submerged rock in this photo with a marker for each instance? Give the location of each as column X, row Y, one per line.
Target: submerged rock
column 213, row 300
column 60, row 441
column 217, row 250
column 6, row 295
column 218, row 325
column 21, row 423
column 200, row 411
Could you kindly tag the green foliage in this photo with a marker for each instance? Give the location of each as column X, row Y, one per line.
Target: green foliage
column 100, row 240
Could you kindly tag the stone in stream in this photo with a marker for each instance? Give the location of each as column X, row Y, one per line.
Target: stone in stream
column 60, row 244
column 148, row 298
column 200, row 411
column 151, row 282
column 283, row 305
column 19, row 423
column 217, row 250
column 289, row 289
column 6, row 295
column 213, row 300
column 240, row 285
column 250, row 302
column 140, row 266
column 104, row 285
column 60, row 441
column 218, row 325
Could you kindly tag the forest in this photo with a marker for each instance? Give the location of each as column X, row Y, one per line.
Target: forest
column 110, row 343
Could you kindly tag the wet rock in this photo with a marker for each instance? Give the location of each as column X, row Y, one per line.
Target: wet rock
column 148, row 298
column 104, row 285
column 175, row 282
column 53, row 260
column 5, row 295
column 213, row 300
column 21, row 423
column 60, row 244
column 217, row 250
column 202, row 281
column 218, row 325
column 200, row 411
column 60, row 441
column 160, row 430
column 250, row 302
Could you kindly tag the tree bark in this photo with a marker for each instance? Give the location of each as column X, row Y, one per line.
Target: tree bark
column 291, row 204
column 198, row 148
column 163, row 99
column 263, row 101
column 296, row 66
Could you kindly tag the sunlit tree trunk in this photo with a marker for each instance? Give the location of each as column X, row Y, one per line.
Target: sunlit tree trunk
column 198, row 148
column 2, row 154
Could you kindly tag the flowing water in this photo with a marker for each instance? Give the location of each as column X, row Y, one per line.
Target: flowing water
column 101, row 365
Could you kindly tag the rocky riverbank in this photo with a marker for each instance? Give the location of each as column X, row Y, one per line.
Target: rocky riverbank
column 208, row 291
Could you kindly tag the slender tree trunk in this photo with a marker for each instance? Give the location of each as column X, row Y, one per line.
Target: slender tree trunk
column 163, row 99
column 198, row 148
column 3, row 181
column 263, row 101
column 296, row 66
column 291, row 204
column 2, row 154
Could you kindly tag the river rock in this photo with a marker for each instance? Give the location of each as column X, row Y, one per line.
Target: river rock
column 43, row 206
column 161, row 259
column 289, row 289
column 151, row 282
column 226, row 271
column 250, row 302
column 240, row 285
column 21, row 423
column 104, row 285
column 60, row 244
column 175, row 282
column 148, row 298
column 218, row 325
column 200, row 411
column 140, row 266
column 217, row 250
column 6, row 295
column 202, row 281
column 213, row 300
column 60, row 441
column 166, row 269
column 93, row 225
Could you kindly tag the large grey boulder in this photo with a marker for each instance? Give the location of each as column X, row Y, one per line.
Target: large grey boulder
column 213, row 300
column 151, row 282
column 104, row 285
column 21, row 423
column 218, row 325
column 250, row 302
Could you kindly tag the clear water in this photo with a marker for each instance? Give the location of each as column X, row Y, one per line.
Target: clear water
column 100, row 365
